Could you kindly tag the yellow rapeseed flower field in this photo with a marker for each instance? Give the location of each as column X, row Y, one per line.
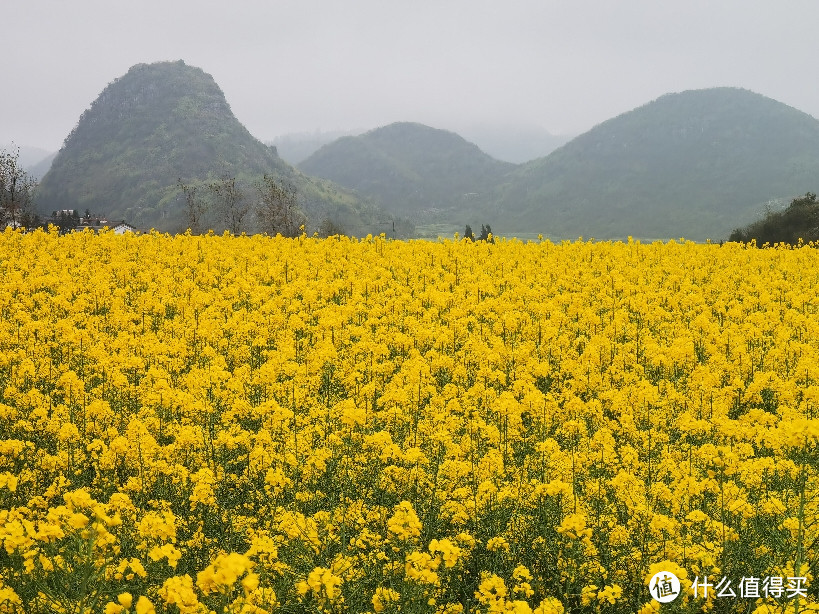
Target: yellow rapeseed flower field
column 196, row 424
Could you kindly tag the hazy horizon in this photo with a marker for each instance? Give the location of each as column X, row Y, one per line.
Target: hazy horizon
column 311, row 66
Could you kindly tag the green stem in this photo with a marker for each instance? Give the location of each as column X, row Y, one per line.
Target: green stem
column 800, row 533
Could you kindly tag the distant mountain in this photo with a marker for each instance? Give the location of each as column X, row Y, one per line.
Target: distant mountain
column 411, row 169
column 34, row 160
column 513, row 142
column 154, row 125
column 41, row 167
column 298, row 146
column 509, row 142
column 695, row 164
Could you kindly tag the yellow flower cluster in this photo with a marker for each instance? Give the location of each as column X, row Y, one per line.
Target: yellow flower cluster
column 404, row 523
column 383, row 598
column 124, row 602
column 323, row 585
column 196, row 424
column 225, row 571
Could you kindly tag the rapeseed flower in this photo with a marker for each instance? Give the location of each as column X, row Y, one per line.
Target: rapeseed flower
column 513, row 421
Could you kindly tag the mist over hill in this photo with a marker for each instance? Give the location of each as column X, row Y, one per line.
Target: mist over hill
column 298, row 146
column 695, row 164
column 513, row 142
column 39, row 169
column 34, row 160
column 505, row 141
column 411, row 169
column 159, row 123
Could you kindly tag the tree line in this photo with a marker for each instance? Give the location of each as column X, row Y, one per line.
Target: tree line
column 271, row 204
column 798, row 222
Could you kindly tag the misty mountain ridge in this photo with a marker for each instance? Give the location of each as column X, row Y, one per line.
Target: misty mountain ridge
column 694, row 164
column 39, row 169
column 513, row 142
column 295, row 147
column 506, row 141
column 411, row 169
column 34, row 160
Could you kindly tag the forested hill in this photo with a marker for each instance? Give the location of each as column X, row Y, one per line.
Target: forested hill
column 695, row 164
column 156, row 124
column 410, row 168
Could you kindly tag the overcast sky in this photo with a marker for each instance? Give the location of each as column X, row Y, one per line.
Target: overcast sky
column 304, row 65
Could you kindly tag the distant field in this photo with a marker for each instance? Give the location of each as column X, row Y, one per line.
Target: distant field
column 196, row 424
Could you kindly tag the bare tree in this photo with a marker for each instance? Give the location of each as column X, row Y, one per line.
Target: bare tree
column 16, row 190
column 195, row 206
column 230, row 201
column 278, row 207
